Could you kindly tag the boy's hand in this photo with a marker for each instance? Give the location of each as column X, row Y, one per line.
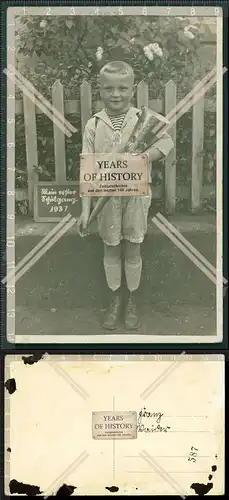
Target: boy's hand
column 82, row 223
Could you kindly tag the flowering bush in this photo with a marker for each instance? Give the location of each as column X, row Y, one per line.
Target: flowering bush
column 71, row 49
column 74, row 48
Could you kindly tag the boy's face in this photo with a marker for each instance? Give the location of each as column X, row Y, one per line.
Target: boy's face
column 116, row 92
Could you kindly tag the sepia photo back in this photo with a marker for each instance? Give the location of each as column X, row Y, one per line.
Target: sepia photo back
column 114, row 440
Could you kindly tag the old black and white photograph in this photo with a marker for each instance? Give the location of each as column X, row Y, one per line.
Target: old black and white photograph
column 115, row 181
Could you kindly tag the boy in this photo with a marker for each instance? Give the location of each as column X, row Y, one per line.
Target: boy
column 122, row 217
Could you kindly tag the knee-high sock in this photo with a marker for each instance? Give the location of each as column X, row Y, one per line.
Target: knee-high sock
column 133, row 271
column 113, row 272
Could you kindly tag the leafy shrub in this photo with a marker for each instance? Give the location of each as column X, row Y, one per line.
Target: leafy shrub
column 65, row 48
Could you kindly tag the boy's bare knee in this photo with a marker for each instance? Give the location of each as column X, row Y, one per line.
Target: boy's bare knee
column 112, row 252
column 132, row 251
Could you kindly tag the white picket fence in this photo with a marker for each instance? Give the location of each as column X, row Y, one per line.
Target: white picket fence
column 84, row 106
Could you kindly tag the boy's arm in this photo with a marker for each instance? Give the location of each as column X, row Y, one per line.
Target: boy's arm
column 88, row 146
column 161, row 148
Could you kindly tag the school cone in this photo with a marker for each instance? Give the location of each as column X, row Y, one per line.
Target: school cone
column 150, row 127
column 139, row 141
column 98, row 207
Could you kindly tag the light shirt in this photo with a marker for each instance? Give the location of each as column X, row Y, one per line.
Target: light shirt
column 99, row 138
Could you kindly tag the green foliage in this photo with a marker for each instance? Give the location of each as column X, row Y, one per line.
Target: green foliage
column 64, row 48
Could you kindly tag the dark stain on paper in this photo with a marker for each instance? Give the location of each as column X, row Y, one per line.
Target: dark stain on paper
column 201, row 489
column 34, row 358
column 112, row 489
column 9, row 449
column 10, row 385
column 23, row 489
column 65, row 491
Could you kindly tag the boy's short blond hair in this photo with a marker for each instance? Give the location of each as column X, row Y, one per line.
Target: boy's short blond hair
column 115, row 67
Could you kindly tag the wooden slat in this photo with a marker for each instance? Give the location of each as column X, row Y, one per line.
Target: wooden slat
column 85, row 103
column 59, row 136
column 197, row 147
column 156, row 105
column 170, row 161
column 84, row 107
column 73, row 107
column 31, row 145
column 142, row 94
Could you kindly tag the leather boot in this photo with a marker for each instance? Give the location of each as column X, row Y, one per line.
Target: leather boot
column 112, row 313
column 132, row 320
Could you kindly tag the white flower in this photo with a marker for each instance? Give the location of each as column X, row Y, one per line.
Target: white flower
column 156, row 49
column 193, row 27
column 189, row 34
column 153, row 46
column 43, row 24
column 99, row 53
column 148, row 53
column 158, row 52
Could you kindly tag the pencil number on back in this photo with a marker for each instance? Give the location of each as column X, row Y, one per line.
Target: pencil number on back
column 192, row 454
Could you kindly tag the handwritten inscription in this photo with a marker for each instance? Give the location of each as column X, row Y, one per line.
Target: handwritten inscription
column 149, row 422
column 192, row 454
column 61, row 198
column 53, row 202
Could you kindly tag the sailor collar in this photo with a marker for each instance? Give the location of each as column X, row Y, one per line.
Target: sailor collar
column 131, row 113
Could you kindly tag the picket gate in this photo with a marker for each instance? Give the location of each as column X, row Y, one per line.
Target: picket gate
column 196, row 191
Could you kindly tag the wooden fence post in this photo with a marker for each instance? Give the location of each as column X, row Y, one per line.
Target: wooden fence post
column 58, row 134
column 142, row 94
column 31, row 145
column 170, row 161
column 197, row 147
column 85, row 103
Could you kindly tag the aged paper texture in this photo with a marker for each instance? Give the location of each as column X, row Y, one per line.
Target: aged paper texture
column 179, row 402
